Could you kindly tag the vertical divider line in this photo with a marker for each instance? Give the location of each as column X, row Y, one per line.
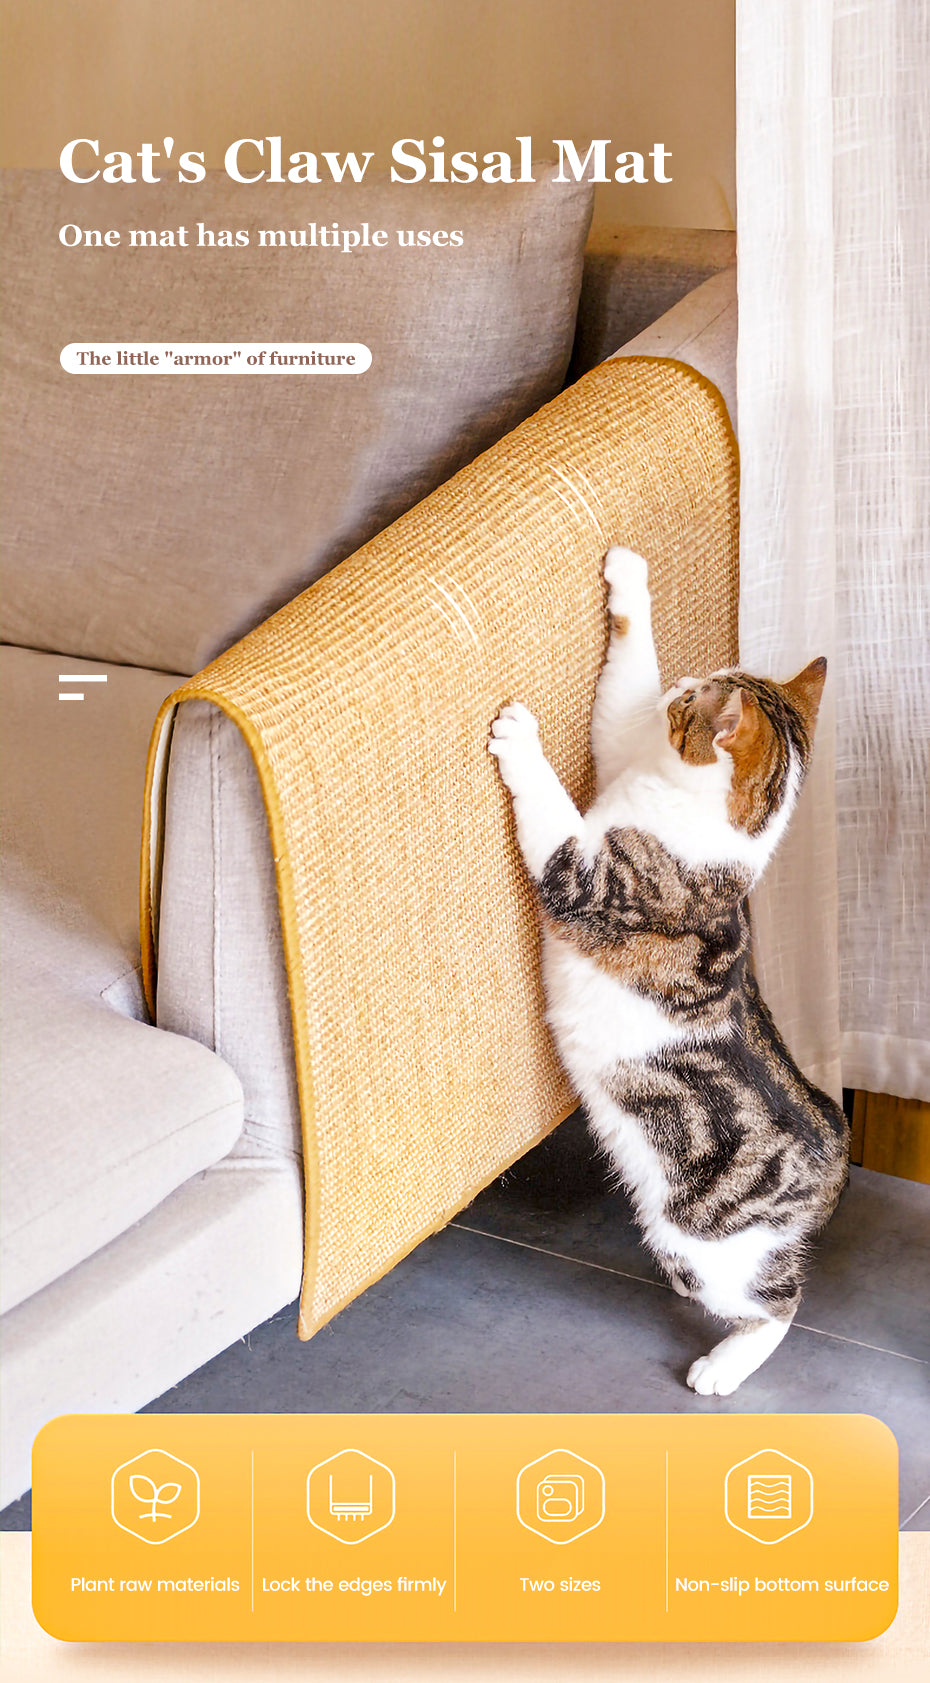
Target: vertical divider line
column 454, row 1532
column 252, row 1531
column 666, row 1531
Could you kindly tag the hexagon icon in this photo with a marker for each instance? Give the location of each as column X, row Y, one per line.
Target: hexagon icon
column 350, row 1496
column 769, row 1496
column 155, row 1496
column 560, row 1496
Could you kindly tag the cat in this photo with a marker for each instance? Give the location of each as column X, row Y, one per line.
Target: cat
column 732, row 1158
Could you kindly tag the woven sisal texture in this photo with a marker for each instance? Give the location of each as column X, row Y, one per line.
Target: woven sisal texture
column 424, row 1066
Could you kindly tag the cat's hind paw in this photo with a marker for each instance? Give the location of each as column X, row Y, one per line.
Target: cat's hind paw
column 711, row 1376
column 737, row 1356
column 627, row 577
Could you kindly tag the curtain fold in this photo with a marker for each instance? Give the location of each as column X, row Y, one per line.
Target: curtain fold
column 834, row 397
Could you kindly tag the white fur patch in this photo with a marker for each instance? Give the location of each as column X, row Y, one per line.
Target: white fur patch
column 595, row 1018
column 725, row 1267
column 735, row 1358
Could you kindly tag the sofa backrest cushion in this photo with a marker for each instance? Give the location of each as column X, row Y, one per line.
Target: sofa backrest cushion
column 154, row 520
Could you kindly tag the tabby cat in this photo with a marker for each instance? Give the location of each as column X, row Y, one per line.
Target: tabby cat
column 733, row 1159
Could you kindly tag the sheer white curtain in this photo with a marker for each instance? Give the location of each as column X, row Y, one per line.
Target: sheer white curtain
column 833, row 187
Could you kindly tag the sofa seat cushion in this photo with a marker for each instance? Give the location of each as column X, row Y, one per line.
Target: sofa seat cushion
column 217, row 1258
column 102, row 1114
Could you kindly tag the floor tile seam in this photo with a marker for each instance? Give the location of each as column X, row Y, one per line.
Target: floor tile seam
column 560, row 1256
column 643, row 1279
column 861, row 1344
column 919, row 1509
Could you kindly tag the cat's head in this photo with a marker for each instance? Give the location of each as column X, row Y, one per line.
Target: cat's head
column 766, row 728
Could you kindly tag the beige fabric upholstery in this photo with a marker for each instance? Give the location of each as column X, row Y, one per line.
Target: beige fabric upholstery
column 73, row 777
column 700, row 331
column 223, row 981
column 214, row 1260
column 632, row 276
column 199, row 504
column 102, row 1115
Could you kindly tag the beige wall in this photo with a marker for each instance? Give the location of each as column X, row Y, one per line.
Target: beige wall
column 337, row 74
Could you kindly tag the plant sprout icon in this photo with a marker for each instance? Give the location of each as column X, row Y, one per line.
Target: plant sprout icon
column 155, row 1494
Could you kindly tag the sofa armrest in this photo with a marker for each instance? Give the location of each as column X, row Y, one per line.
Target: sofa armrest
column 221, row 974
column 701, row 331
column 410, row 934
column 632, row 276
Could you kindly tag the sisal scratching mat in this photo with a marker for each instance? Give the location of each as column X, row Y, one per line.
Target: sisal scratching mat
column 423, row 1063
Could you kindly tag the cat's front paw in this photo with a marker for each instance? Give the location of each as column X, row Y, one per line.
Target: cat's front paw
column 627, row 578
column 514, row 741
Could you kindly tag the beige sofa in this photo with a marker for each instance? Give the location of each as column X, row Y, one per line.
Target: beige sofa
column 152, row 1186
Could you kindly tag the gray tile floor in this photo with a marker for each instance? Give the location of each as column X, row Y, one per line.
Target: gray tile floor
column 539, row 1297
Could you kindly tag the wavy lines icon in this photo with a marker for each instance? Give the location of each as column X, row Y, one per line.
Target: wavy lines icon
column 769, row 1498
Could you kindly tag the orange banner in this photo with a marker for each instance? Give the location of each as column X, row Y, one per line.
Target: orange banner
column 524, row 1528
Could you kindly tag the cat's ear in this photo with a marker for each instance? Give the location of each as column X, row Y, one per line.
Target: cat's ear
column 806, row 689
column 737, row 722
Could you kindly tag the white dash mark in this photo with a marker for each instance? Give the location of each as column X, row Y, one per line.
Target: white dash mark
column 455, row 584
column 567, row 502
column 585, row 505
column 592, row 488
column 453, row 624
column 82, row 677
column 456, row 609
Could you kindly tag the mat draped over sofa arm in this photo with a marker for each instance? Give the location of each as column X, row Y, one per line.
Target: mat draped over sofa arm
column 424, row 1067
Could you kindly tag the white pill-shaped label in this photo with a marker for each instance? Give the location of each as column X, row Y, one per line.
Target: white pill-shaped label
column 164, row 357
